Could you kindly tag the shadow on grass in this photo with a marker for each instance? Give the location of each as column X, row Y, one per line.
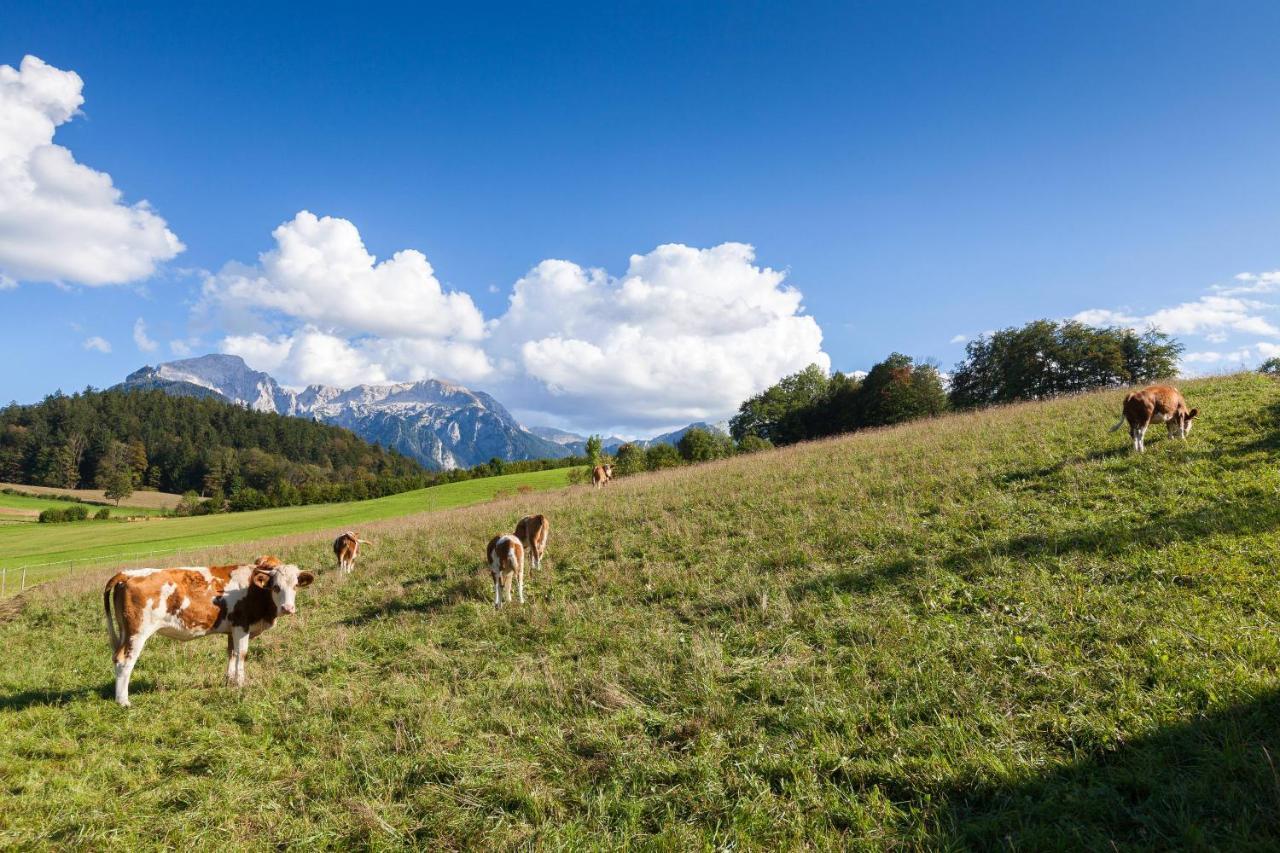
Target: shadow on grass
column 441, row 597
column 32, row 698
column 1025, row 474
column 1208, row 783
column 1248, row 514
column 861, row 581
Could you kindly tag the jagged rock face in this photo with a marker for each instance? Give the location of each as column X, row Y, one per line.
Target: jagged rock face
column 440, row 424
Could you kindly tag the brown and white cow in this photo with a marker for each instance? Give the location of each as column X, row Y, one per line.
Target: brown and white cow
column 346, row 548
column 532, row 532
column 1162, row 404
column 506, row 561
column 189, row 602
column 601, row 474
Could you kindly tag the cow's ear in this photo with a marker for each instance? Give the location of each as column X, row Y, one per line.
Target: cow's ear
column 1191, row 414
column 305, row 578
column 260, row 579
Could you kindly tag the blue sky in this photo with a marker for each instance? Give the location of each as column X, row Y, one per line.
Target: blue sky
column 917, row 172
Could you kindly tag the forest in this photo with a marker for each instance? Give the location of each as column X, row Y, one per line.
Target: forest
column 233, row 457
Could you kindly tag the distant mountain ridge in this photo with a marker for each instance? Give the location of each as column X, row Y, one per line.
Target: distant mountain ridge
column 440, row 424
column 578, row 443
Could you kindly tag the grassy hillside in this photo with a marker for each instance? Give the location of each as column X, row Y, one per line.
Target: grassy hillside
column 89, row 541
column 992, row 630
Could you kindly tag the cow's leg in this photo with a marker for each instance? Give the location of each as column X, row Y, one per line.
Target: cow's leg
column 126, row 658
column 506, row 584
column 1142, row 439
column 231, row 659
column 520, row 581
column 497, row 591
column 237, row 648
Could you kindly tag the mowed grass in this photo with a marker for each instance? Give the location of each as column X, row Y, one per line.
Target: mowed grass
column 997, row 630
column 35, row 504
column 89, row 542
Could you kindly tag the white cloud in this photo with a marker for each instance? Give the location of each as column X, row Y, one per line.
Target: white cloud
column 1249, row 282
column 1214, row 315
column 684, row 334
column 1212, row 357
column 183, row 348
column 320, row 273
column 97, row 344
column 60, row 220
column 140, row 338
column 319, row 308
column 959, row 339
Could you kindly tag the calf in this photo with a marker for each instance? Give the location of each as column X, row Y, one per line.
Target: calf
column 601, row 474
column 346, row 548
column 532, row 532
column 1159, row 404
column 185, row 603
column 506, row 560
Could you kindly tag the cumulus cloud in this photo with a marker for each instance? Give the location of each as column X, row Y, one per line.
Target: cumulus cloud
column 321, row 273
column 683, row 334
column 61, row 221
column 97, row 344
column 140, row 339
column 319, row 308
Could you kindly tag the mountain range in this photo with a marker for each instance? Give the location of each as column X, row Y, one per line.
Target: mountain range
column 440, row 424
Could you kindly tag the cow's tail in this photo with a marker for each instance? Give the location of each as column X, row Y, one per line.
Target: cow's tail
column 1119, row 424
column 364, row 541
column 111, row 622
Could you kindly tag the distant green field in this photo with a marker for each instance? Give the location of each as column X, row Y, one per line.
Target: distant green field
column 28, row 544
column 37, row 504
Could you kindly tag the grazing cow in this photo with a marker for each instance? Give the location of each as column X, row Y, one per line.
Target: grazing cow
column 1159, row 404
column 601, row 474
column 532, row 531
column 346, row 548
column 185, row 603
column 506, row 560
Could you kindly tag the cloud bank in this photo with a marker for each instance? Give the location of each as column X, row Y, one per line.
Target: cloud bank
column 61, row 221
column 683, row 334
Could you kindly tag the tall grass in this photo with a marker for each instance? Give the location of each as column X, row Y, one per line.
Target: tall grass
column 990, row 630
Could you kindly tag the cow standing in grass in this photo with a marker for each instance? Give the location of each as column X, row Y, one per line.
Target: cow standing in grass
column 601, row 474
column 506, row 561
column 532, row 531
column 346, row 548
column 185, row 603
column 1158, row 404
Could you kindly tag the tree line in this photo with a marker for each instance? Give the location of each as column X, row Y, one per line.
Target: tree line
column 225, row 455
column 1039, row 360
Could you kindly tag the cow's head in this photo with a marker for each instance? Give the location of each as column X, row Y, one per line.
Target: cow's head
column 283, row 582
column 608, row 471
column 1180, row 424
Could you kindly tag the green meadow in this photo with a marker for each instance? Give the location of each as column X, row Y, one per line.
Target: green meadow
column 998, row 630
column 91, row 542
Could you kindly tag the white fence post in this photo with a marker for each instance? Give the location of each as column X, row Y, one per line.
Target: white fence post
column 24, row 580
